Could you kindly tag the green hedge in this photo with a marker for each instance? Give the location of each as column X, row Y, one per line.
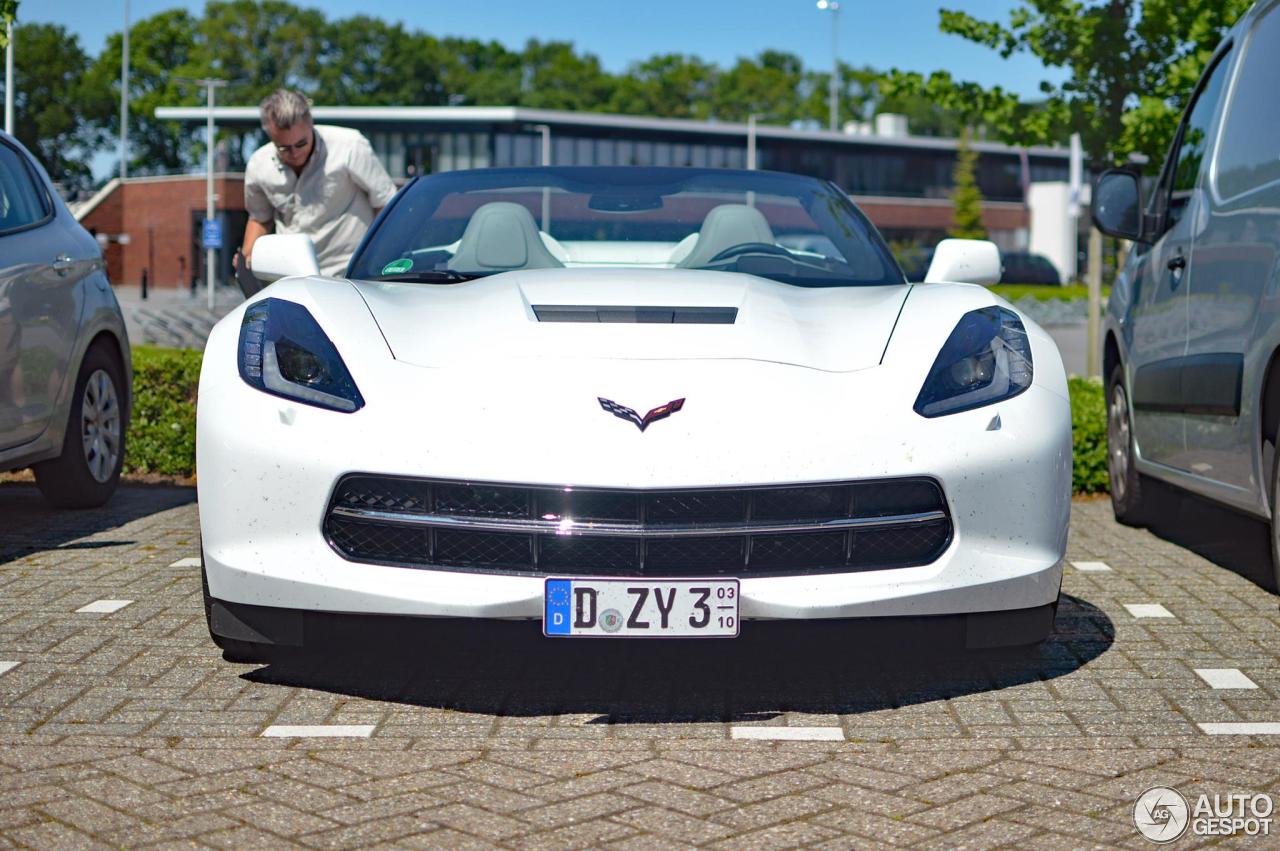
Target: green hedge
column 1045, row 292
column 162, row 435
column 1088, row 435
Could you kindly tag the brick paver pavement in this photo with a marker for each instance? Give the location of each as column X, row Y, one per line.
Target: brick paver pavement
column 127, row 728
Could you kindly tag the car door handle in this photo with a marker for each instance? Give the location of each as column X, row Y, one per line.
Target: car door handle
column 63, row 263
column 1177, row 263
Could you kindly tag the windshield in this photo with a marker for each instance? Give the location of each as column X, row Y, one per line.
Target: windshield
column 462, row 225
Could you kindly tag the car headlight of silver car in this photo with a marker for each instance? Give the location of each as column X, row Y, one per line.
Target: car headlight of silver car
column 284, row 352
column 986, row 359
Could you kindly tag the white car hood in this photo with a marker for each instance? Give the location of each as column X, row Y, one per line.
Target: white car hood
column 835, row 329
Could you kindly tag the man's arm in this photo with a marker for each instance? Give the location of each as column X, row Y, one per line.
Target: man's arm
column 252, row 230
column 369, row 175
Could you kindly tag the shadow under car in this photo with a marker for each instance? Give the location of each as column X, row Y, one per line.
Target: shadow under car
column 504, row 668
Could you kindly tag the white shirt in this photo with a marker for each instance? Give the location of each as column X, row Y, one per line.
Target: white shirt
column 332, row 201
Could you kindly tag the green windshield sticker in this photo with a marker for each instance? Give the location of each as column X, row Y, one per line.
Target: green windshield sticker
column 396, row 267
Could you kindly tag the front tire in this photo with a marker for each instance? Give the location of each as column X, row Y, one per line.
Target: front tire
column 1127, row 484
column 85, row 475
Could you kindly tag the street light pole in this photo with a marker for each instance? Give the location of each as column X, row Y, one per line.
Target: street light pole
column 8, row 79
column 209, row 85
column 833, row 7
column 209, row 258
column 124, row 98
column 545, row 131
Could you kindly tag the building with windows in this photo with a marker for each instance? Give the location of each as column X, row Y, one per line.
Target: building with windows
column 901, row 182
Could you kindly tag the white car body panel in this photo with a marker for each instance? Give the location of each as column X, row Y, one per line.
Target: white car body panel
column 837, row 329
column 462, row 382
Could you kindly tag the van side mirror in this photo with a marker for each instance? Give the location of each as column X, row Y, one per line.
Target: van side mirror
column 965, row 261
column 1117, row 204
column 285, row 255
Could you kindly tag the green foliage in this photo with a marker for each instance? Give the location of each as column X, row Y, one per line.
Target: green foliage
column 668, row 86
column 162, row 433
column 1131, row 66
column 966, row 199
column 58, row 114
column 1045, row 292
column 8, row 13
column 1088, row 435
column 161, row 48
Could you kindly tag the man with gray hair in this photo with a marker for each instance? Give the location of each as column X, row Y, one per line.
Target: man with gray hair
column 313, row 179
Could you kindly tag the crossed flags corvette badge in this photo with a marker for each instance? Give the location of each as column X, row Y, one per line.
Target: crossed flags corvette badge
column 631, row 416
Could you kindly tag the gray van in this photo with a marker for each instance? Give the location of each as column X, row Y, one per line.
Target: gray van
column 65, row 370
column 1192, row 332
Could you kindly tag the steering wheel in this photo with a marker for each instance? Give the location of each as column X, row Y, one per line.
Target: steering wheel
column 750, row 248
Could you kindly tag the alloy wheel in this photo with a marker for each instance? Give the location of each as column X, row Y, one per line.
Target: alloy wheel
column 1118, row 443
column 100, row 425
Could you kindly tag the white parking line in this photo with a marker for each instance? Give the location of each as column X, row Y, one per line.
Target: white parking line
column 7, row 666
column 1091, row 566
column 319, row 731
column 104, row 607
column 1148, row 610
column 789, row 734
column 1225, row 678
column 1242, row 728
column 190, row 561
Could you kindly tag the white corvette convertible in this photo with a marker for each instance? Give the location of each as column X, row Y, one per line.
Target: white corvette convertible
column 629, row 403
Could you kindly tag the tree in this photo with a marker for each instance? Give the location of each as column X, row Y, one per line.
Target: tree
column 966, row 199
column 1131, row 67
column 8, row 14
column 161, row 48
column 57, row 112
column 666, row 85
column 365, row 61
column 476, row 72
column 553, row 76
column 767, row 87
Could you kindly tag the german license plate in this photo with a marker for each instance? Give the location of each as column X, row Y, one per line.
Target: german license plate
column 584, row 607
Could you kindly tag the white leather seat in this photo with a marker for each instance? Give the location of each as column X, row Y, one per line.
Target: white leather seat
column 724, row 227
column 499, row 237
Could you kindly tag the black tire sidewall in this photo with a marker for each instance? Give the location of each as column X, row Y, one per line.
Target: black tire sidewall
column 1274, row 532
column 66, row 481
column 1127, row 509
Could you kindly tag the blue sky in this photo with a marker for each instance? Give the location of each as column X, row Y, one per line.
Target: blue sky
column 901, row 33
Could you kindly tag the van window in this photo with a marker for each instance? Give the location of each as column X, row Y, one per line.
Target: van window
column 1250, row 154
column 1194, row 142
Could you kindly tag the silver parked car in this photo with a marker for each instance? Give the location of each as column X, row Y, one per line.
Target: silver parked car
column 1192, row 333
column 65, row 371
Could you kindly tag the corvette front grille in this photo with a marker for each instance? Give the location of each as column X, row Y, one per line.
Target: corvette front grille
column 541, row 530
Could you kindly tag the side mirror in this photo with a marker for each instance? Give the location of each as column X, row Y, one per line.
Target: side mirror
column 1117, row 204
column 285, row 255
column 965, row 261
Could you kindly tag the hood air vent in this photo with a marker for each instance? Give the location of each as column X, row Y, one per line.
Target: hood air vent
column 631, row 315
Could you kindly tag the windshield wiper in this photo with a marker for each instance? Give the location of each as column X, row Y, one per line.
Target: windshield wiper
column 431, row 276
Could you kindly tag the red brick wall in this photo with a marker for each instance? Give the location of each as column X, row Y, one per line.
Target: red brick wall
column 156, row 213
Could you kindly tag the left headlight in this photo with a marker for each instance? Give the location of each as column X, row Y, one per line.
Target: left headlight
column 986, row 359
column 283, row 351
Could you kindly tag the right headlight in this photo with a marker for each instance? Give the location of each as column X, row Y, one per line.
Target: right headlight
column 986, row 359
column 285, row 352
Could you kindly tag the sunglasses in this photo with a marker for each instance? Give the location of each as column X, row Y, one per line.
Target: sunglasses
column 296, row 146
